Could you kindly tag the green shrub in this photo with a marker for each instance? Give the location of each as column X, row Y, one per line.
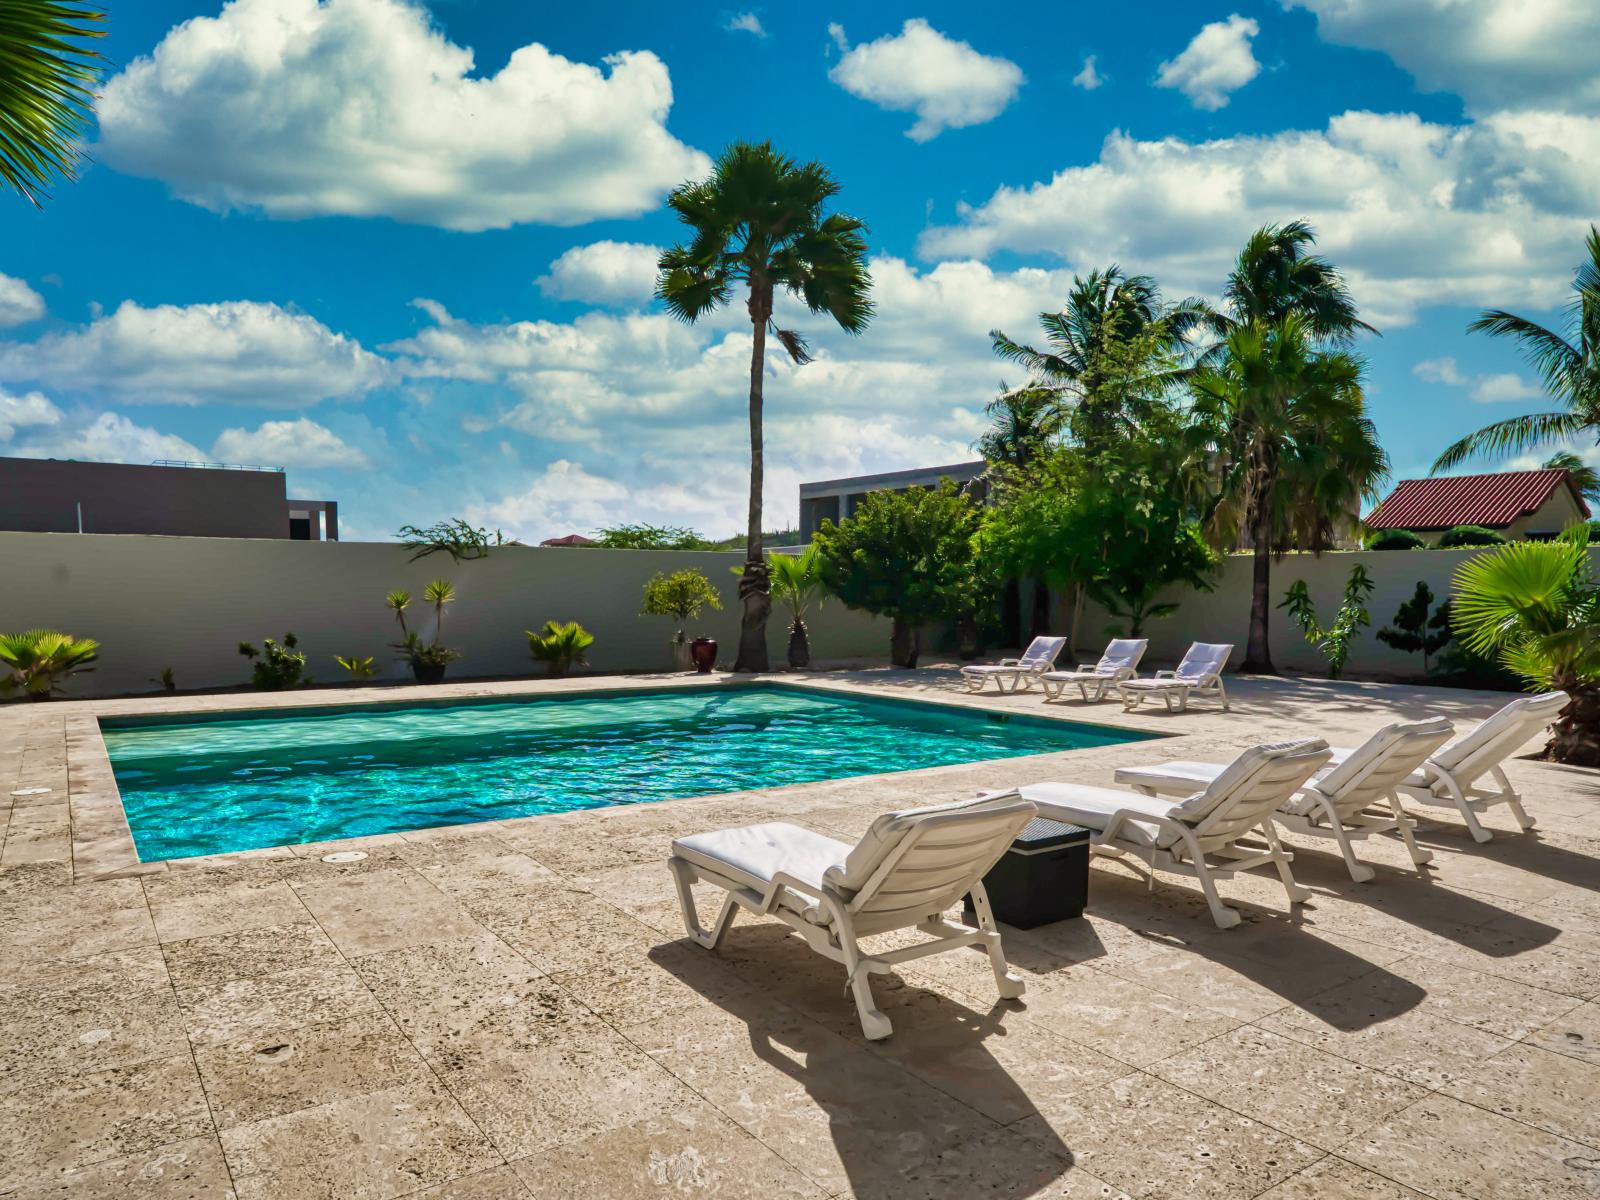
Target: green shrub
column 276, row 668
column 1396, row 539
column 1333, row 643
column 40, row 658
column 560, row 646
column 680, row 595
column 1470, row 535
column 359, row 668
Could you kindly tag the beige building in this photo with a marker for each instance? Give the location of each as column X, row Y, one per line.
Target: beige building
column 1534, row 505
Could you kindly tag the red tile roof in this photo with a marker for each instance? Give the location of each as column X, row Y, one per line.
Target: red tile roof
column 571, row 539
column 1493, row 501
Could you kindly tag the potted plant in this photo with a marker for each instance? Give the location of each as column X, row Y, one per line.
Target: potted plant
column 275, row 667
column 428, row 659
column 680, row 595
column 560, row 646
column 797, row 584
column 39, row 659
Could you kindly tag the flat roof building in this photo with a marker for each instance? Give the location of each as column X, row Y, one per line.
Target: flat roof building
column 52, row 495
column 835, row 499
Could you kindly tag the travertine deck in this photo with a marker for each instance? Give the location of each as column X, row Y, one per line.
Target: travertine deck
column 510, row 1010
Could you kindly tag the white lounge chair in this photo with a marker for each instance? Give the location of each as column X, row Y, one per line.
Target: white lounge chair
column 907, row 870
column 1202, row 836
column 1119, row 662
column 1039, row 657
column 1347, row 802
column 1199, row 673
column 1449, row 778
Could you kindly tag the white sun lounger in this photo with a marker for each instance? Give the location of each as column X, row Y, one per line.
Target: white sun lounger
column 907, row 870
column 1199, row 673
column 1038, row 658
column 1119, row 662
column 1202, row 836
column 1449, row 778
column 1347, row 802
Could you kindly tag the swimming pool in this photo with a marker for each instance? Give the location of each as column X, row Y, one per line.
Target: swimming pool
column 208, row 786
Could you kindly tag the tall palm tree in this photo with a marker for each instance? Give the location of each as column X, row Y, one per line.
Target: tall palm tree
column 1276, row 275
column 1584, row 477
column 758, row 221
column 1286, row 423
column 1023, row 421
column 1568, row 363
column 47, row 80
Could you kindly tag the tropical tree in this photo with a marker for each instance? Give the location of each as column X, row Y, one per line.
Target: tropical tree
column 36, row 661
column 1287, row 427
column 758, row 221
column 560, row 645
column 797, row 583
column 1023, row 422
column 679, row 595
column 1534, row 607
column 47, row 79
column 1276, row 276
column 1568, row 363
column 1584, row 477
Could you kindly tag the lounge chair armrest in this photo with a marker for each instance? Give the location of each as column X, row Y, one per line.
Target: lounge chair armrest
column 1165, row 675
column 1123, row 815
column 782, row 880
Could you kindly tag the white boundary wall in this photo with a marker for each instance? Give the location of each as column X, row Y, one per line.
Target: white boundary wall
column 187, row 603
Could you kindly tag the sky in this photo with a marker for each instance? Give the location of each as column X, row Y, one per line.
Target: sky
column 407, row 252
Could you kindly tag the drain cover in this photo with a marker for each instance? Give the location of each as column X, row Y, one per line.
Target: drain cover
column 34, row 791
column 344, row 856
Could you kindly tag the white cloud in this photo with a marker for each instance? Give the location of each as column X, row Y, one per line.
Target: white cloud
column 1217, row 63
column 1493, row 53
column 946, row 83
column 619, row 274
column 745, row 22
column 19, row 303
column 306, row 108
column 1089, row 78
column 107, row 437
column 236, row 352
column 297, row 443
column 21, row 412
column 1501, row 388
column 564, row 499
column 1491, row 212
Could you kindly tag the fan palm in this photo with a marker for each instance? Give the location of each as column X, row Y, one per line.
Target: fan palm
column 1568, row 364
column 1534, row 606
column 40, row 659
column 47, row 81
column 1287, row 427
column 797, row 583
column 759, row 221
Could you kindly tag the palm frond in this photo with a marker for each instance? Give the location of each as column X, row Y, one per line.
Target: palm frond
column 47, row 82
column 1510, row 436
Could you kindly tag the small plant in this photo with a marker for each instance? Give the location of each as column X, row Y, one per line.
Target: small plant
column 276, row 668
column 359, row 668
column 680, row 595
column 455, row 538
column 650, row 537
column 1417, row 628
column 1396, row 539
column 428, row 659
column 167, row 680
column 39, row 659
column 1470, row 535
column 1333, row 643
column 560, row 646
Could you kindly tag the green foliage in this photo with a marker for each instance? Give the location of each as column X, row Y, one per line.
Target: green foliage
column 1585, row 479
column 1395, row 539
column 909, row 556
column 1469, row 535
column 47, row 90
column 454, row 537
column 37, row 660
column 680, row 595
column 411, row 647
column 358, row 668
column 1024, row 423
column 1419, row 627
column 797, row 581
column 651, row 537
column 167, row 680
column 276, row 667
column 560, row 646
column 1333, row 643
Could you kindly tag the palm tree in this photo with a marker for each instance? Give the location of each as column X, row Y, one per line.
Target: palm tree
column 1569, row 365
column 1534, row 606
column 1023, row 421
column 1584, row 477
column 1287, row 426
column 47, row 83
column 797, row 583
column 758, row 221
column 1276, row 275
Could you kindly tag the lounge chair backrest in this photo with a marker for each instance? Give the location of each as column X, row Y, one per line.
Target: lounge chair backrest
column 1374, row 768
column 1122, row 655
column 1204, row 660
column 922, row 860
column 1041, row 652
column 1251, row 787
column 1489, row 744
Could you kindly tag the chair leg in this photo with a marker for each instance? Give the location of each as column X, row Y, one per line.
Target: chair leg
column 1404, row 827
column 874, row 1024
column 1006, row 981
column 1280, row 859
column 1513, row 800
column 683, row 876
column 1225, row 917
column 1359, row 871
column 1459, row 795
column 1223, row 692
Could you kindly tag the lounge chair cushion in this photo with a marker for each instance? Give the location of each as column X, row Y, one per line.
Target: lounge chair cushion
column 853, row 871
column 752, row 854
column 1093, row 808
column 1182, row 777
column 1525, row 717
column 1348, row 764
column 1040, row 653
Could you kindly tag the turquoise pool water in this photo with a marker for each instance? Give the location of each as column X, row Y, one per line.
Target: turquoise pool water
column 210, row 786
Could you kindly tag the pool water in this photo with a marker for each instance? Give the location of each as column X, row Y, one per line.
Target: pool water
column 209, row 786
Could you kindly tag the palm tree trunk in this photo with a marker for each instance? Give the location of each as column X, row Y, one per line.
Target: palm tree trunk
column 1575, row 737
column 755, row 588
column 1257, row 651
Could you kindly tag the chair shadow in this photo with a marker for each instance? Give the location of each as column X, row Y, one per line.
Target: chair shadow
column 876, row 1107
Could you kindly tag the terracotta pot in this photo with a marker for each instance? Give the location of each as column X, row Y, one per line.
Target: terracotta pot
column 703, row 651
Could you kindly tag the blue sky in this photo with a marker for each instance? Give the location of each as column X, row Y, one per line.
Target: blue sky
column 405, row 251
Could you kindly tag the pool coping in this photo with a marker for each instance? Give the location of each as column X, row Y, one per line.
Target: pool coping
column 102, row 841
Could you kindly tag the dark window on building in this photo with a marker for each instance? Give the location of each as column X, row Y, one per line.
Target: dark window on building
column 300, row 529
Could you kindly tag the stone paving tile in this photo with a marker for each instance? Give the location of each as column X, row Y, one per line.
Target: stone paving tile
column 384, row 910
column 497, row 1183
column 192, row 906
column 1576, row 1034
column 240, row 1008
column 72, row 1119
column 1537, row 1087
column 216, row 959
column 1335, row 1179
column 186, row 1170
column 1445, row 1148
column 86, row 1027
